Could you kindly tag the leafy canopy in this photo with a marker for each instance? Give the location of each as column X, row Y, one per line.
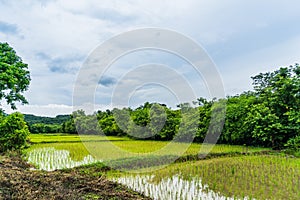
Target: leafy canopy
column 14, row 80
column 14, row 76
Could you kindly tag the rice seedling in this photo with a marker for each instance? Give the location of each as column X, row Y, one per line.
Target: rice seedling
column 170, row 188
column 244, row 177
column 50, row 159
column 259, row 177
column 109, row 148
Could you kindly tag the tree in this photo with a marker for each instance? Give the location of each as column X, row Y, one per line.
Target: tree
column 13, row 132
column 188, row 124
column 204, row 118
column 69, row 126
column 277, row 118
column 236, row 129
column 14, row 80
column 14, row 76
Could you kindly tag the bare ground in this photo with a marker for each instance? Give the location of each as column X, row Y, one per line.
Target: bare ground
column 19, row 181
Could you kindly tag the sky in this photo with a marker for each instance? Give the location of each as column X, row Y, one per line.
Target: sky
column 56, row 38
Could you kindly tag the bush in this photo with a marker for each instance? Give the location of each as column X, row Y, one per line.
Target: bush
column 293, row 145
column 13, row 132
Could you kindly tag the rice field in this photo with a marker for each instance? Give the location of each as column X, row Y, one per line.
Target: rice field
column 50, row 159
column 174, row 187
column 109, row 148
column 246, row 177
column 237, row 177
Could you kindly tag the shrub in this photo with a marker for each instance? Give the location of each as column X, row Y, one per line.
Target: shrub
column 293, row 145
column 13, row 132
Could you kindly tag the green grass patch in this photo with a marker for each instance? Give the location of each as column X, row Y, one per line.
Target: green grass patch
column 69, row 138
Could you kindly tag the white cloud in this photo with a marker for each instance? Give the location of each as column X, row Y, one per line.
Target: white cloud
column 55, row 36
column 53, row 110
column 262, row 60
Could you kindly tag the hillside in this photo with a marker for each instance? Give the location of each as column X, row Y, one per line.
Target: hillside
column 33, row 119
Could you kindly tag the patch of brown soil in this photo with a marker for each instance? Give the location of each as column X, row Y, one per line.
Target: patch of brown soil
column 18, row 181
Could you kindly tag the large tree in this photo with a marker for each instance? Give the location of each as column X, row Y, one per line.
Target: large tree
column 14, row 76
column 14, row 80
column 276, row 118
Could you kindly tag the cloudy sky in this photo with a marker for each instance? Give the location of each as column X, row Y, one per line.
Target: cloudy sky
column 55, row 37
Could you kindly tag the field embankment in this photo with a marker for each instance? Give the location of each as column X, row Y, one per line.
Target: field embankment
column 19, row 181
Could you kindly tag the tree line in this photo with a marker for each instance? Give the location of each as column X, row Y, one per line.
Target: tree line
column 268, row 116
column 39, row 124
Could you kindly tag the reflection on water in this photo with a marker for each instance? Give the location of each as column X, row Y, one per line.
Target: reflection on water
column 50, row 159
column 170, row 188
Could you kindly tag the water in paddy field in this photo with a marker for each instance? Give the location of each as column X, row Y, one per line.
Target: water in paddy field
column 50, row 159
column 171, row 188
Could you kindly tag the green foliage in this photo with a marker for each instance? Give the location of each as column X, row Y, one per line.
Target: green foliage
column 270, row 115
column 204, row 118
column 13, row 132
column 69, row 126
column 14, row 80
column 149, row 121
column 277, row 116
column 14, row 76
column 265, row 126
column 45, row 128
column 108, row 124
column 39, row 124
column 85, row 124
column 293, row 145
column 188, row 124
column 171, row 125
column 32, row 119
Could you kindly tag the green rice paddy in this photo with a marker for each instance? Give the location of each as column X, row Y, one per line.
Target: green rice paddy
column 235, row 172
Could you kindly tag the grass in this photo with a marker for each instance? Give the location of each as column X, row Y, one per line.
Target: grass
column 69, row 138
column 108, row 148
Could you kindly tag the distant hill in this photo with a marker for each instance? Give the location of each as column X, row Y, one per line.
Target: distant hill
column 32, row 119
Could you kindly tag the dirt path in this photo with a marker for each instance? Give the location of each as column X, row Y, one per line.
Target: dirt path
column 18, row 181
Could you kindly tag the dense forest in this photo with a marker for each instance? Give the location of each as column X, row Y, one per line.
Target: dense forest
column 268, row 116
column 39, row 124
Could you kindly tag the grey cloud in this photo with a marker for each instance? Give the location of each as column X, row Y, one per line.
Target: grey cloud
column 106, row 15
column 67, row 64
column 111, row 15
column 107, row 81
column 43, row 56
column 8, row 28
